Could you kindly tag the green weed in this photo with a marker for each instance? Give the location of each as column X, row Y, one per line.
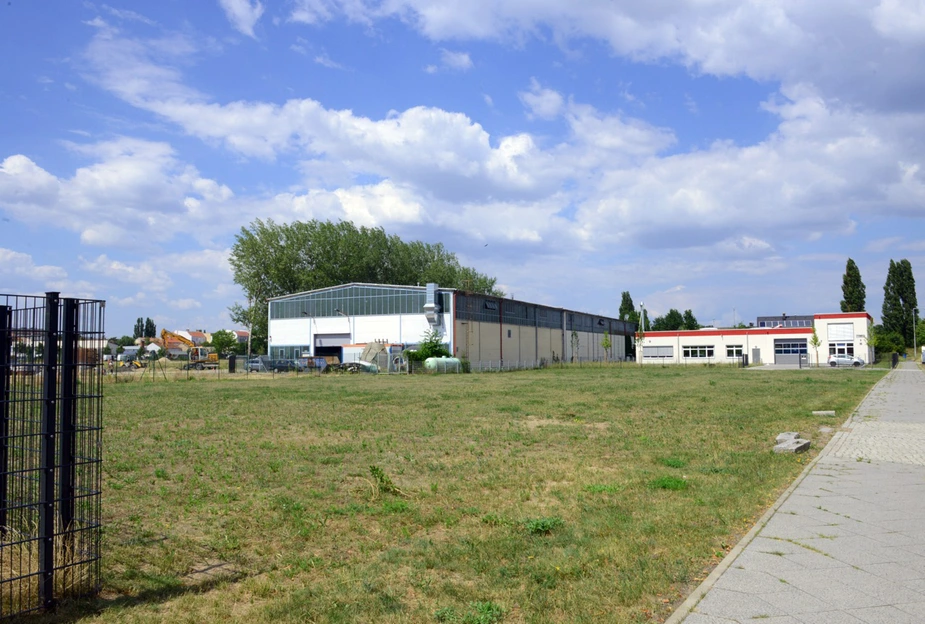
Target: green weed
column 543, row 526
column 668, row 483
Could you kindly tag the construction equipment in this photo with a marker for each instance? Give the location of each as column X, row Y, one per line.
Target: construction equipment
column 200, row 358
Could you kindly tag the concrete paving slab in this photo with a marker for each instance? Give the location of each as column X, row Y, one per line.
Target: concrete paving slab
column 885, row 615
column 829, row 617
column 846, row 543
column 737, row 606
column 795, row 601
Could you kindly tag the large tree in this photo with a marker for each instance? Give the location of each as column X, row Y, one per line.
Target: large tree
column 853, row 290
column 270, row 259
column 139, row 330
column 150, row 328
column 671, row 321
column 690, row 321
column 899, row 300
column 627, row 309
column 224, row 342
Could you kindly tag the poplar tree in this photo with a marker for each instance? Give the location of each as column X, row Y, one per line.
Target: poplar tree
column 853, row 289
column 627, row 309
column 908, row 298
column 628, row 313
column 899, row 300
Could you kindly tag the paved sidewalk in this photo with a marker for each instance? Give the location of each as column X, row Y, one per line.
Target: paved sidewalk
column 847, row 544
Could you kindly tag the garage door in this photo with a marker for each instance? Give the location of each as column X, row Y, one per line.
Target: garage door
column 789, row 350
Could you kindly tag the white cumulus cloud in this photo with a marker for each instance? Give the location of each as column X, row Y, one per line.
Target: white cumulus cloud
column 242, row 14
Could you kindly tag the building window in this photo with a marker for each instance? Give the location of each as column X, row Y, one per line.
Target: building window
column 840, row 332
column 508, row 333
column 733, row 351
column 658, row 352
column 790, row 348
column 698, row 352
column 841, row 348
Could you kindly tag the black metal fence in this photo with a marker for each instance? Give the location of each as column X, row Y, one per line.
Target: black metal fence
column 51, row 412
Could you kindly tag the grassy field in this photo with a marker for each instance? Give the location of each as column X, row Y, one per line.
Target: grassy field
column 565, row 495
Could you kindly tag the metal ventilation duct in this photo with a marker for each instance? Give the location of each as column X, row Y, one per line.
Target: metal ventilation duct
column 431, row 307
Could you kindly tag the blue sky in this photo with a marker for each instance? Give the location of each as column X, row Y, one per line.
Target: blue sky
column 719, row 156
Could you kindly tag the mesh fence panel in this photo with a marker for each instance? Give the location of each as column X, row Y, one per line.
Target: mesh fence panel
column 51, row 407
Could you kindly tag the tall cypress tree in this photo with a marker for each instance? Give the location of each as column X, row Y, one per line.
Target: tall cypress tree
column 853, row 289
column 628, row 313
column 907, row 296
column 627, row 309
column 899, row 299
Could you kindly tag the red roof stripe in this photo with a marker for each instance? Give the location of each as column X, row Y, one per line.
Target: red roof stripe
column 844, row 315
column 752, row 331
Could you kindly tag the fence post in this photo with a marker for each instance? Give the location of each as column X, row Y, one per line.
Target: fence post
column 47, row 478
column 68, row 424
column 6, row 374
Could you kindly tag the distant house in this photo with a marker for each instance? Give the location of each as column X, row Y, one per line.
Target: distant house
column 241, row 335
column 129, row 353
column 199, row 338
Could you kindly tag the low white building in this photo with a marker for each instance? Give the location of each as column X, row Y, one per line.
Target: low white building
column 773, row 340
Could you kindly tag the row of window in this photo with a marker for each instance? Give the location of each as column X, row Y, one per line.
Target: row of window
column 355, row 300
column 790, row 348
column 736, row 351
column 483, row 309
column 691, row 351
column 786, row 323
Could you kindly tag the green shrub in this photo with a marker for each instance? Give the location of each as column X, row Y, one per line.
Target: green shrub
column 543, row 526
column 431, row 346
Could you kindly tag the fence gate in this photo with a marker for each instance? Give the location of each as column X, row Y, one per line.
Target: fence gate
column 51, row 416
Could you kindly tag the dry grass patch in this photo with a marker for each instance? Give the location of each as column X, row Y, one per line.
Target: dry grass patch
column 531, row 492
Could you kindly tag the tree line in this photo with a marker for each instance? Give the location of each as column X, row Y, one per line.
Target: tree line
column 271, row 259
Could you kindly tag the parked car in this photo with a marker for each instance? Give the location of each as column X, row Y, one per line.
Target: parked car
column 258, row 365
column 845, row 360
column 285, row 366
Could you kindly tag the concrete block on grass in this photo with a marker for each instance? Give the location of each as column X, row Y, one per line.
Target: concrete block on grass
column 797, row 445
column 787, row 436
column 824, row 413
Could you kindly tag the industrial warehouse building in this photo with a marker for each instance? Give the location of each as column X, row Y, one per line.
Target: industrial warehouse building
column 340, row 320
column 772, row 340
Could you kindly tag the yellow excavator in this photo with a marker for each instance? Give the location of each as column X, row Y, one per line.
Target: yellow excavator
column 200, row 358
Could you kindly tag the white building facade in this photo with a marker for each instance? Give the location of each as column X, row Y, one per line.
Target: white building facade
column 339, row 321
column 776, row 340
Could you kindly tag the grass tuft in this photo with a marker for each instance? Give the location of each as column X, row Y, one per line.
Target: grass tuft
column 543, row 526
column 668, row 483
